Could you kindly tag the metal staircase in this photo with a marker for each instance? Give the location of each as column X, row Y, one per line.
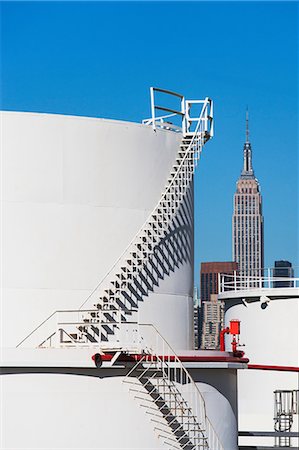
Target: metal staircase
column 171, row 399
column 127, row 282
column 137, row 270
column 159, row 381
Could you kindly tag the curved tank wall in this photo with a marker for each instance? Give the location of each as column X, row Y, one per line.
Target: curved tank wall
column 271, row 338
column 219, row 390
column 75, row 192
column 92, row 408
column 84, row 412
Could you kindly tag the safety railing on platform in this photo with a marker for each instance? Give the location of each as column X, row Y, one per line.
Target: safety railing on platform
column 85, row 328
column 257, row 279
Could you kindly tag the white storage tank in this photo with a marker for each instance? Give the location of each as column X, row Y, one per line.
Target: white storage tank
column 97, row 288
column 76, row 191
column 269, row 329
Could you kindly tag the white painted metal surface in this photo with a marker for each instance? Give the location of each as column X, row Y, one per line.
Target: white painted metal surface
column 163, row 243
column 83, row 200
column 85, row 407
column 269, row 330
column 75, row 192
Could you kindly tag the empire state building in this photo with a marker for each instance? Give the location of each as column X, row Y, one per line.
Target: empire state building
column 247, row 224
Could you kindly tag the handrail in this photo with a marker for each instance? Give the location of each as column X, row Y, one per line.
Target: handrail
column 166, row 91
column 57, row 311
column 161, row 118
column 188, row 376
column 177, row 359
column 237, row 281
column 168, row 187
column 35, row 329
column 47, row 339
column 174, row 111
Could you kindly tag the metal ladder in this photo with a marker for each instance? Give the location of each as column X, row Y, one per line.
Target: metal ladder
column 285, row 407
column 171, row 399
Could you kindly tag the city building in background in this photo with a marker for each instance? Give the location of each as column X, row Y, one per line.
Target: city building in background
column 283, row 269
column 247, row 223
column 209, row 276
column 212, row 317
column 196, row 318
column 212, row 323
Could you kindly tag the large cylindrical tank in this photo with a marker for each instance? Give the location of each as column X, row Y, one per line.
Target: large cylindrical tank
column 75, row 192
column 269, row 330
column 57, row 398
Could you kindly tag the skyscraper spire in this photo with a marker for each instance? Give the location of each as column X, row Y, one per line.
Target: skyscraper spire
column 247, row 171
column 247, row 125
column 248, row 222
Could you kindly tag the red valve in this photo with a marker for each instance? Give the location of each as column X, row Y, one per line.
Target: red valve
column 234, row 330
column 234, row 326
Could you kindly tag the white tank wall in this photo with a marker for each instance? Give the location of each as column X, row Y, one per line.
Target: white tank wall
column 72, row 411
column 270, row 335
column 98, row 412
column 219, row 390
column 75, row 192
column 271, row 338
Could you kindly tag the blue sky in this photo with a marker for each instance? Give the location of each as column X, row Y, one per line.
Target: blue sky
column 100, row 58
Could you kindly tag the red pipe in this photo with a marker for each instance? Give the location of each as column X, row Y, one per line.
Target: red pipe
column 171, row 358
column 280, row 368
column 222, row 340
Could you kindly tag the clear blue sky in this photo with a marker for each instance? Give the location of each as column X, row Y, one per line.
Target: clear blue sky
column 99, row 59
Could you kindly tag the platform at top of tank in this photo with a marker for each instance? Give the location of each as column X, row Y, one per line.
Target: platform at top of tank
column 82, row 358
column 91, row 119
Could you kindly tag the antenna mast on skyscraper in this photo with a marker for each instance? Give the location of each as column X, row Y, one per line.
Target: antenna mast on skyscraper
column 247, row 125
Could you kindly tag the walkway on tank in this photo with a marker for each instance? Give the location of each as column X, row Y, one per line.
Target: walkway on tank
column 83, row 357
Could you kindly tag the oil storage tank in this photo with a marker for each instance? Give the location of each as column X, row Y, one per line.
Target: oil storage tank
column 76, row 192
column 267, row 307
column 97, row 230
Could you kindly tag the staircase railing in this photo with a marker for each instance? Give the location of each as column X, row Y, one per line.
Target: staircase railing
column 178, row 386
column 167, row 205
